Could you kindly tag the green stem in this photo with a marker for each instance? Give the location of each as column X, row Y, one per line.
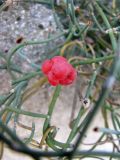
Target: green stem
column 91, row 83
column 98, row 153
column 20, row 111
column 39, row 1
column 97, row 23
column 95, row 60
column 111, row 34
column 28, row 140
column 73, row 131
column 26, row 77
column 51, row 107
column 13, row 67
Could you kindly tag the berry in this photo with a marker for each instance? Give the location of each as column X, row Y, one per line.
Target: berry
column 58, row 59
column 46, row 66
column 59, row 71
column 52, row 79
column 70, row 78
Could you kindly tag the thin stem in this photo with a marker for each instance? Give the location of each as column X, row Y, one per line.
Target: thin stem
column 51, row 107
column 111, row 34
column 27, row 113
column 91, row 83
column 96, row 60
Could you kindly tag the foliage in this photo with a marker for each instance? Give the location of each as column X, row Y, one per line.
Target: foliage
column 91, row 38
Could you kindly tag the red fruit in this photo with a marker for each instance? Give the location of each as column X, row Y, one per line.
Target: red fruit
column 70, row 78
column 46, row 66
column 52, row 79
column 59, row 71
column 57, row 59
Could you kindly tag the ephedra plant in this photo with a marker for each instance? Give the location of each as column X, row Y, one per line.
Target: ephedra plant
column 90, row 47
